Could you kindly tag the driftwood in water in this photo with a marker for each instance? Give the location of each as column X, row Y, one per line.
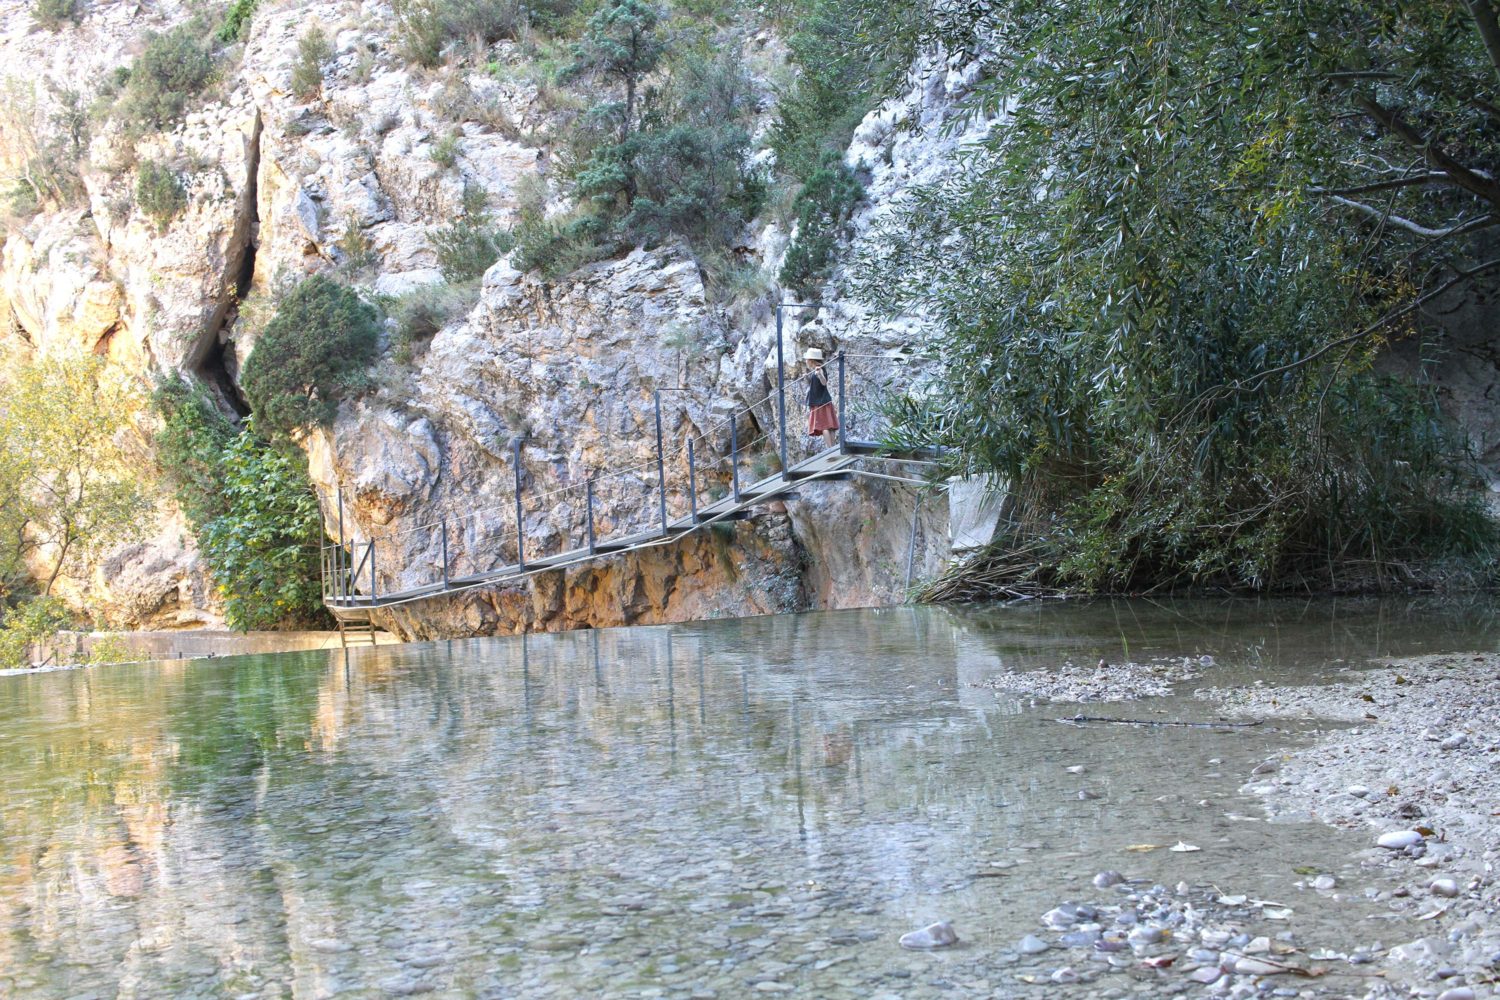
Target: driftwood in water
column 1079, row 719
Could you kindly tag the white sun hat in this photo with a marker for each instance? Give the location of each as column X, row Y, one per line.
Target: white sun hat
column 813, row 354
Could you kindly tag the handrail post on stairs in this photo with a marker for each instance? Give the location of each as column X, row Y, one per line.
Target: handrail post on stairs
column 588, row 505
column 520, row 535
column 661, row 467
column 444, row 529
column 734, row 455
column 372, row 571
column 842, row 417
column 692, row 484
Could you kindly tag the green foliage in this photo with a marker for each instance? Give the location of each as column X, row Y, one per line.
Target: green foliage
column 849, row 54
column 47, row 162
column 823, row 208
column 250, row 504
column 173, row 69
column 468, row 246
column 425, row 27
column 51, row 15
column 356, row 252
column 677, row 171
column 424, row 311
column 263, row 550
column 27, row 625
column 67, row 480
column 237, row 20
column 445, row 151
column 159, row 193
column 313, row 50
column 314, row 352
column 623, row 44
column 190, row 445
column 1154, row 324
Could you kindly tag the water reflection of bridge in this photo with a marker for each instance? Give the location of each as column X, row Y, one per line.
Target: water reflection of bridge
column 752, row 456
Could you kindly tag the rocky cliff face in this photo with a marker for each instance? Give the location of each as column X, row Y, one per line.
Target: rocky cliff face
column 278, row 188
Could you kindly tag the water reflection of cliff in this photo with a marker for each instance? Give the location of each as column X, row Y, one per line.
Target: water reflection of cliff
column 307, row 821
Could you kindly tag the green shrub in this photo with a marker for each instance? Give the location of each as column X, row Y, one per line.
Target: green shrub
column 172, row 70
column 22, row 627
column 313, row 50
column 189, row 446
column 445, row 151
column 823, row 209
column 236, row 26
column 678, row 171
column 314, row 352
column 849, row 54
column 263, row 549
column 468, row 246
column 159, row 193
column 424, row 311
column 357, row 253
column 425, row 27
column 51, row 15
column 250, row 505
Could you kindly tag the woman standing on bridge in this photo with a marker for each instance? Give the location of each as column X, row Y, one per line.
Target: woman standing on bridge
column 821, row 418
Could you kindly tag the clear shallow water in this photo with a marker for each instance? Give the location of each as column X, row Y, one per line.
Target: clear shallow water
column 644, row 812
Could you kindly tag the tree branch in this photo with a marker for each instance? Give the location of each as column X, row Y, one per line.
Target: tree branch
column 1437, row 158
column 1489, row 29
column 1416, row 228
column 1431, row 177
column 1255, row 380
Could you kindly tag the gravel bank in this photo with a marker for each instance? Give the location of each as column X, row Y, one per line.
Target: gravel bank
column 1419, row 773
column 1100, row 682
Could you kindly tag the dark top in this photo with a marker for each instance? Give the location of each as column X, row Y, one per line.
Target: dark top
column 817, row 389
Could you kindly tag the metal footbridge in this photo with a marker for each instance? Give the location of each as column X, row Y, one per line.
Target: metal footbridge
column 747, row 458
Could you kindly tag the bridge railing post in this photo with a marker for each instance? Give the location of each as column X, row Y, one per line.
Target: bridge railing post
column 520, row 534
column 444, row 530
column 661, row 468
column 734, row 455
column 843, row 416
column 372, row 571
column 692, row 484
column 340, row 585
column 780, row 392
column 588, row 506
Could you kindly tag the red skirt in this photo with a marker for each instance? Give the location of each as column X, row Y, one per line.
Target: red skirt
column 822, row 418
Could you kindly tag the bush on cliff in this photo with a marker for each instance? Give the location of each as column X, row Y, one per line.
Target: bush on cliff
column 159, row 193
column 251, row 506
column 316, row 351
column 51, row 15
column 174, row 68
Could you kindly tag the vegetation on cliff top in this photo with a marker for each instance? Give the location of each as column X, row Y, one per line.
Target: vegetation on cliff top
column 1164, row 281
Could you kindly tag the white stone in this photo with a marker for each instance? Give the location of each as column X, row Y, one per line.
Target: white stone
column 1443, row 887
column 938, row 935
column 1398, row 840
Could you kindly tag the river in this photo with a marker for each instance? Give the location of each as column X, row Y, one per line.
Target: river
column 726, row 808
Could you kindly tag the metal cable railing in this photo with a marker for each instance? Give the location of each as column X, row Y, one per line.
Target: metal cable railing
column 695, row 478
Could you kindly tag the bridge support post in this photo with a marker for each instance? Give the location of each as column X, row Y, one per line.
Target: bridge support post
column 520, row 534
column 781, row 392
column 692, row 483
column 661, row 468
column 588, row 505
column 444, row 530
column 734, row 455
column 843, row 418
column 339, row 562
